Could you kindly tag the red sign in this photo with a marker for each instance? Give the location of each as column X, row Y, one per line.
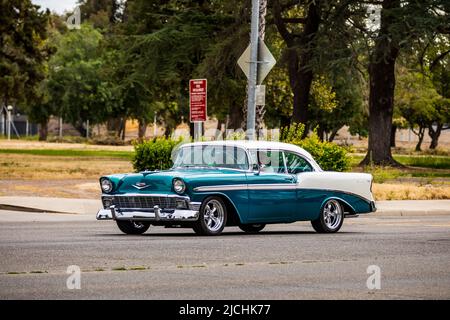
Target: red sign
column 197, row 100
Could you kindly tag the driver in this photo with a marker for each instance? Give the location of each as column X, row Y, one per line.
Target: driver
column 264, row 161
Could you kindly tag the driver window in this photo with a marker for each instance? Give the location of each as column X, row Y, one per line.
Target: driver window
column 271, row 161
column 296, row 164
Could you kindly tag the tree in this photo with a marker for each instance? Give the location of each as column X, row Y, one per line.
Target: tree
column 305, row 26
column 401, row 22
column 76, row 87
column 23, row 51
column 417, row 100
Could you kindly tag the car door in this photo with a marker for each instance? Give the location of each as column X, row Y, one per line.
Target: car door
column 271, row 190
column 307, row 200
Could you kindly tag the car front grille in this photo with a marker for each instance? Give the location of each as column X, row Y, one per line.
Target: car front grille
column 136, row 202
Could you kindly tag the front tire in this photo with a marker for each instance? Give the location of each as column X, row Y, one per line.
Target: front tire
column 132, row 227
column 252, row 228
column 330, row 219
column 213, row 217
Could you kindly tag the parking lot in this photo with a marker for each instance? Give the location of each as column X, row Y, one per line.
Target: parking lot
column 282, row 262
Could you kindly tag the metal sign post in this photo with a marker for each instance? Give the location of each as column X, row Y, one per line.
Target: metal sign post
column 198, row 105
column 252, row 77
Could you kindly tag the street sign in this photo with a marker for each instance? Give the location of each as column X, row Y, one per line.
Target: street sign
column 260, row 93
column 197, row 100
column 266, row 61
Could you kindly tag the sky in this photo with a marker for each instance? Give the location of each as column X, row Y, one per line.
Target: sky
column 58, row 6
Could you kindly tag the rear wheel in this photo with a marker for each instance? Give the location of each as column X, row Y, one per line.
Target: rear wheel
column 132, row 227
column 213, row 217
column 330, row 219
column 252, row 228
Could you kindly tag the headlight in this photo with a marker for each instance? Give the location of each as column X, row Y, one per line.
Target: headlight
column 106, row 185
column 179, row 186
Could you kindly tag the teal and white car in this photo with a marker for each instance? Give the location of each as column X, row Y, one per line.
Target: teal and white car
column 235, row 183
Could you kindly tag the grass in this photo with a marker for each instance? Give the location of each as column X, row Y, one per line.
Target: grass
column 127, row 155
column 423, row 161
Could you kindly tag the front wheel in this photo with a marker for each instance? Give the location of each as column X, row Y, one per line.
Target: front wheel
column 252, row 228
column 132, row 227
column 213, row 217
column 330, row 219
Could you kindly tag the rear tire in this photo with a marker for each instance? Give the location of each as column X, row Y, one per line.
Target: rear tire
column 132, row 227
column 212, row 218
column 252, row 228
column 330, row 219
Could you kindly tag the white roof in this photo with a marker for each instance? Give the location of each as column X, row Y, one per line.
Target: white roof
column 256, row 144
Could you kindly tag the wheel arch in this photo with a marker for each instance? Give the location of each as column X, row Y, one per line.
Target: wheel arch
column 233, row 216
column 345, row 205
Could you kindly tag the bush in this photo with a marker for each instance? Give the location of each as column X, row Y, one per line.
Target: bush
column 109, row 140
column 330, row 156
column 153, row 154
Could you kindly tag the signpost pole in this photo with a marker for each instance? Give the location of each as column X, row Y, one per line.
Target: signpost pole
column 251, row 103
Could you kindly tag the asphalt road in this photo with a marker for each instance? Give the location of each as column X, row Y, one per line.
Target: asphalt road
column 282, row 262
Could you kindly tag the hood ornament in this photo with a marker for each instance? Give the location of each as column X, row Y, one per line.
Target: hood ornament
column 141, row 185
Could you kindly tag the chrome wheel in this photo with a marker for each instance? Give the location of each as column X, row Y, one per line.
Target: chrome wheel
column 331, row 217
column 213, row 215
column 332, row 214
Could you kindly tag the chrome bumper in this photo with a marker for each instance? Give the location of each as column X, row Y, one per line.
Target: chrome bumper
column 155, row 214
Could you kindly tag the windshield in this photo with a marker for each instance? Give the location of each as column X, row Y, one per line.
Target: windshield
column 212, row 156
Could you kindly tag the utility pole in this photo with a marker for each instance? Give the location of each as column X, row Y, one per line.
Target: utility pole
column 252, row 78
column 259, row 116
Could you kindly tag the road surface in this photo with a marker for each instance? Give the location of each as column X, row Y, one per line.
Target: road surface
column 286, row 261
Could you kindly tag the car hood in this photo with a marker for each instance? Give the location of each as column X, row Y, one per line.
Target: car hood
column 161, row 181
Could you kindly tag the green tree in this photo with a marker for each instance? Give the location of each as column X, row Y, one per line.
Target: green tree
column 417, row 100
column 23, row 51
column 402, row 22
column 76, row 87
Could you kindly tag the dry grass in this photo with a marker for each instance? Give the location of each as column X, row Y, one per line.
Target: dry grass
column 31, row 167
column 389, row 191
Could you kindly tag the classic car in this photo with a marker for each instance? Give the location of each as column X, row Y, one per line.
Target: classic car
column 235, row 183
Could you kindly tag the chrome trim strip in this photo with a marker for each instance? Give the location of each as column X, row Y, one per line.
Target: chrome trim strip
column 222, row 187
column 232, row 187
column 273, row 186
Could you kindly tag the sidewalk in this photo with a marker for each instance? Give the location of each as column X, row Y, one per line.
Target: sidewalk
column 89, row 206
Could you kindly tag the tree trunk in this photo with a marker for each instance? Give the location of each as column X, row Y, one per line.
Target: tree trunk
column 434, row 135
column 43, row 131
column 300, row 75
column 235, row 117
column 393, row 132
column 123, row 126
column 142, row 129
column 381, row 97
column 420, row 135
column 333, row 134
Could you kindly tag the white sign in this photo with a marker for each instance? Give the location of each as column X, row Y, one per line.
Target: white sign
column 260, row 95
column 266, row 61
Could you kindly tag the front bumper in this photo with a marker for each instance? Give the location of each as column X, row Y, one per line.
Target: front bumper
column 155, row 214
column 189, row 211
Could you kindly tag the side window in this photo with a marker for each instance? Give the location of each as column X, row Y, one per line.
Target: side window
column 297, row 164
column 270, row 161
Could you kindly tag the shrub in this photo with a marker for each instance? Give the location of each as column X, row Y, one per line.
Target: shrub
column 153, row 154
column 330, row 156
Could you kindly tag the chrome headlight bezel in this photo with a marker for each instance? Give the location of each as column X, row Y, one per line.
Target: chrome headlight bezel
column 106, row 185
column 179, row 186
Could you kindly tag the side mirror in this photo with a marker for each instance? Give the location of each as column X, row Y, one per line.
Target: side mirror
column 256, row 169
